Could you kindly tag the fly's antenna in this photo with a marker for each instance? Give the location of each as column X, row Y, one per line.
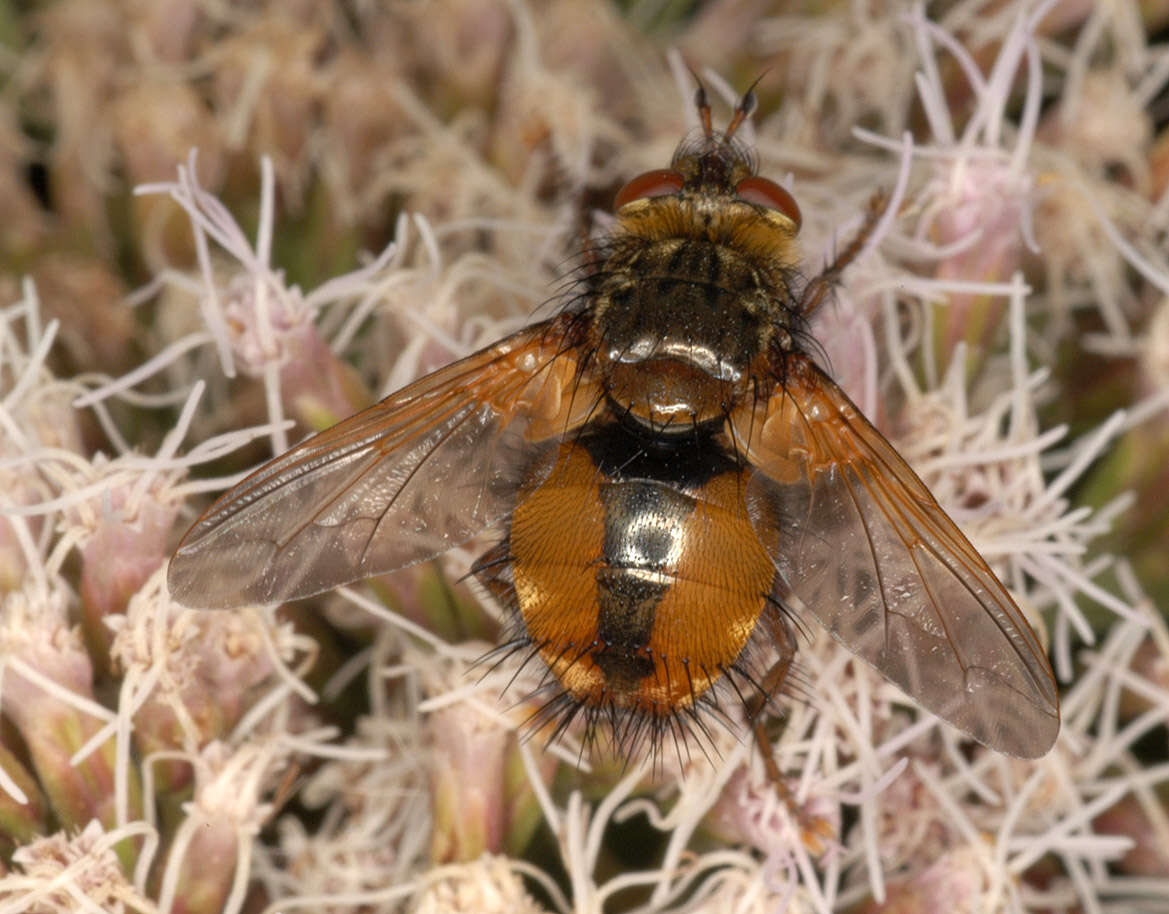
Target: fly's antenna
column 744, row 109
column 702, row 103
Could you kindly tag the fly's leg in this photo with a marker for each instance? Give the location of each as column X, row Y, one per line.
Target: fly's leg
column 816, row 290
column 815, row 831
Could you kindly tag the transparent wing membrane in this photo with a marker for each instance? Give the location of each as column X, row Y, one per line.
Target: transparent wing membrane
column 864, row 547
column 403, row 481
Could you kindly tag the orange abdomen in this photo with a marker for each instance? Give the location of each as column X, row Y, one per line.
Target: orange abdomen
column 638, row 592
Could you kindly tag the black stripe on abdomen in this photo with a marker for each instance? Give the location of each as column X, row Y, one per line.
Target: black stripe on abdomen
column 645, row 534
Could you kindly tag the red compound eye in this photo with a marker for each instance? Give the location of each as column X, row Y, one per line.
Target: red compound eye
column 763, row 192
column 657, row 183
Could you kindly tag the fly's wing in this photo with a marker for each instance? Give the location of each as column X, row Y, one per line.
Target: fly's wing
column 861, row 543
column 403, row 481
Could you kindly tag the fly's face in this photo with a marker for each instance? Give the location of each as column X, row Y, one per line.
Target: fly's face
column 674, row 478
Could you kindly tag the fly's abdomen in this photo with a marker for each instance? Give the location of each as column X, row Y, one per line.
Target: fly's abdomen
column 649, row 592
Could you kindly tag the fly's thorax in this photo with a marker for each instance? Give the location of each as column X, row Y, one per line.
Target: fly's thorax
column 668, row 396
column 680, row 318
